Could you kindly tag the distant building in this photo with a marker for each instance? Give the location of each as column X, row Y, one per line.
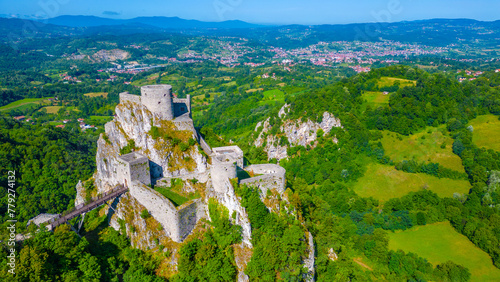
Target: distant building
column 20, row 118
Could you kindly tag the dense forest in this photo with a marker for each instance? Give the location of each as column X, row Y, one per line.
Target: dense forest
column 48, row 162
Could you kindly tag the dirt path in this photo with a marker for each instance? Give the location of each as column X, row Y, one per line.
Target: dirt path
column 358, row 261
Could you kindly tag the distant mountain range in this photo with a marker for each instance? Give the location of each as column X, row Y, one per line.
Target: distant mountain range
column 435, row 32
column 160, row 22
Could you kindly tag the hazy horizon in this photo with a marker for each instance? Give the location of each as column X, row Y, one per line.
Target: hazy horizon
column 261, row 12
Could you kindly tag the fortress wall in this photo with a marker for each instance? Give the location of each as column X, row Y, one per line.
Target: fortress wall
column 185, row 124
column 233, row 151
column 202, row 177
column 126, row 97
column 273, row 177
column 265, row 182
column 140, row 172
column 182, row 106
column 204, row 145
column 188, row 216
column 266, row 169
column 159, row 207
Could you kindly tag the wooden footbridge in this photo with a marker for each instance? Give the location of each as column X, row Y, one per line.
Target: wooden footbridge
column 84, row 208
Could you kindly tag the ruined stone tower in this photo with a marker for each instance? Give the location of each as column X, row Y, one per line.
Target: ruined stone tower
column 158, row 99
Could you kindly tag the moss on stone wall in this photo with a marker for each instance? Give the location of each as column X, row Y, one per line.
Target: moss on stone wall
column 176, row 145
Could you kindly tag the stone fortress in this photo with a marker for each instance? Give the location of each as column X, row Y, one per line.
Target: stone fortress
column 139, row 171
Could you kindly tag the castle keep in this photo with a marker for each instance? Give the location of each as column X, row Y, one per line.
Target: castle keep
column 159, row 101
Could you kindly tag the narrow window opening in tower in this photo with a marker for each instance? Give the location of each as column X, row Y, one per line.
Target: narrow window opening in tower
column 159, row 103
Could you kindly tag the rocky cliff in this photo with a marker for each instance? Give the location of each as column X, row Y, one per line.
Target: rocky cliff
column 292, row 133
column 170, row 150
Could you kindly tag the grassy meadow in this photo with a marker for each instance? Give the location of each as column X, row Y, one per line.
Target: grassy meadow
column 274, row 95
column 96, row 94
column 486, row 132
column 389, row 81
column 424, row 146
column 375, row 98
column 439, row 242
column 24, row 104
column 384, row 182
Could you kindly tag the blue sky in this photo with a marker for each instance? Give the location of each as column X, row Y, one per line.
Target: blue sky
column 262, row 11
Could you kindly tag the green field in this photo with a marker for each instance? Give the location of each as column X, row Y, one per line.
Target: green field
column 24, row 104
column 486, row 132
column 52, row 109
column 389, row 81
column 439, row 242
column 376, row 98
column 97, row 94
column 424, row 146
column 274, row 95
column 55, row 109
column 384, row 182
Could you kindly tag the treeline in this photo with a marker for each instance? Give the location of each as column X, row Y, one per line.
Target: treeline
column 102, row 255
column 48, row 162
column 479, row 219
column 434, row 169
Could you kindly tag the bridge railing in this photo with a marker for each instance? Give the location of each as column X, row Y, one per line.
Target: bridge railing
column 97, row 201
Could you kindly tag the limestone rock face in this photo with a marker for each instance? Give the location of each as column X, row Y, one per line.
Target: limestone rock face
column 133, row 123
column 309, row 261
column 171, row 152
column 225, row 194
column 297, row 132
column 80, row 194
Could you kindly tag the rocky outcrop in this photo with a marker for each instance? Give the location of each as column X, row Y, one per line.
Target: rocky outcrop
column 309, row 261
column 80, row 194
column 222, row 190
column 132, row 125
column 296, row 132
column 170, row 151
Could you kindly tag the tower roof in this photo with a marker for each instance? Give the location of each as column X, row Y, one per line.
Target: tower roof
column 133, row 158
